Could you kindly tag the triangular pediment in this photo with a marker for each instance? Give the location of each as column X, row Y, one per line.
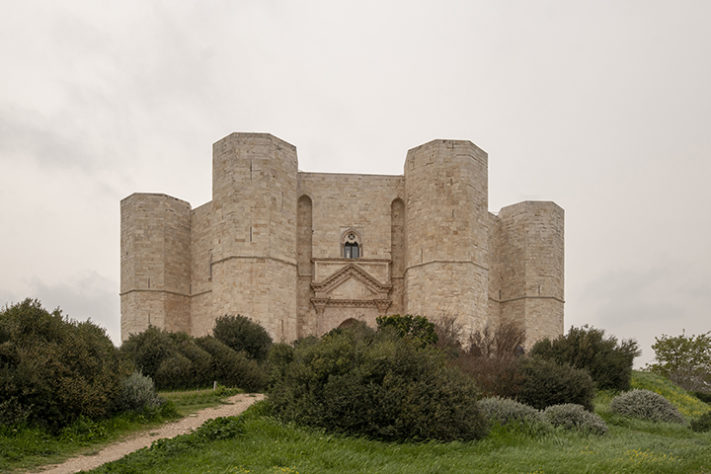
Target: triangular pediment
column 350, row 282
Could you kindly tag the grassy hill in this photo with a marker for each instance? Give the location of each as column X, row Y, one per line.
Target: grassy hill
column 269, row 446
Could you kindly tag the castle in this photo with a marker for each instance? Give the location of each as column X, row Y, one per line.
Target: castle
column 302, row 253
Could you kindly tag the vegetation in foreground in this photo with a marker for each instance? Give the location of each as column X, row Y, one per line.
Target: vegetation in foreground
column 265, row 445
column 26, row 447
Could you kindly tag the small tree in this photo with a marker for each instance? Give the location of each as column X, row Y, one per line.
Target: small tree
column 242, row 334
column 608, row 362
column 684, row 359
column 417, row 328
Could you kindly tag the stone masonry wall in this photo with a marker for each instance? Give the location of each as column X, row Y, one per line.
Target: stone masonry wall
column 447, row 232
column 155, row 269
column 271, row 235
column 531, row 265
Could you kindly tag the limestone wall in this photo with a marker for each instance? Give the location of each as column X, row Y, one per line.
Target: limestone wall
column 348, row 201
column 531, row 265
column 155, row 263
column 446, row 231
column 254, row 231
column 202, row 314
column 269, row 246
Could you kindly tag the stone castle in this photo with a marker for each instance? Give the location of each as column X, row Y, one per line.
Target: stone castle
column 302, row 253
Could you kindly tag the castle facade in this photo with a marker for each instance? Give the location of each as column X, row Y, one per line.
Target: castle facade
column 302, row 253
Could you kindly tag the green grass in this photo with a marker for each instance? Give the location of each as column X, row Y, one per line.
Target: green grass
column 29, row 447
column 686, row 403
column 190, row 401
column 269, row 446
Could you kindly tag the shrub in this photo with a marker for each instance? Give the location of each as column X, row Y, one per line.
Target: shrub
column 688, row 405
column 608, row 362
column 231, row 368
column 199, row 374
column 702, row 423
column 417, row 328
column 383, row 386
column 138, row 393
column 54, row 370
column 243, row 334
column 280, row 355
column 226, row 427
column 545, row 383
column 574, row 417
column 703, row 396
column 646, row 405
column 502, row 411
column 148, row 349
column 492, row 358
column 174, row 372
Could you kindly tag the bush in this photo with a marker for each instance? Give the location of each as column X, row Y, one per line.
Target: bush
column 688, row 405
column 379, row 385
column 226, row 427
column 243, row 334
column 280, row 356
column 646, row 405
column 417, row 328
column 575, row 417
column 175, row 372
column 502, row 411
column 492, row 358
column 53, row 370
column 608, row 362
column 138, row 393
column 545, row 383
column 231, row 368
column 148, row 349
column 702, row 423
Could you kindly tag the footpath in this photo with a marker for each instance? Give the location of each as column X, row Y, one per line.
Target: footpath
column 233, row 406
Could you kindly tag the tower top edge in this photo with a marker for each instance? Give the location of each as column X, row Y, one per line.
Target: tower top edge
column 246, row 136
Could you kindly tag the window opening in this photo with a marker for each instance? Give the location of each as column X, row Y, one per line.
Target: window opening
column 351, row 250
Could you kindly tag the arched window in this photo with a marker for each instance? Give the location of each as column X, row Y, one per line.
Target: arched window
column 351, row 245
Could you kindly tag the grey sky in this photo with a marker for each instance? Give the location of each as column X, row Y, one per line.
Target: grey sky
column 601, row 106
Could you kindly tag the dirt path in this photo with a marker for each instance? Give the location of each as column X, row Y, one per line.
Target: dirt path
column 236, row 404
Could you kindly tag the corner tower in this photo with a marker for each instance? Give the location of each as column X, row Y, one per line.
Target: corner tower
column 446, row 231
column 155, row 263
column 254, row 180
column 530, row 259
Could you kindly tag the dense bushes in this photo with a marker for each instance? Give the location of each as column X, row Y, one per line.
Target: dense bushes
column 243, row 334
column 646, row 405
column 492, row 357
column 176, row 360
column 378, row 385
column 574, row 417
column 230, row 368
column 417, row 328
column 608, row 362
column 53, row 370
column 545, row 383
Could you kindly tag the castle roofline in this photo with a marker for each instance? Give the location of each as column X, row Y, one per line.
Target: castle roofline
column 154, row 195
column 351, row 174
column 257, row 135
column 444, row 142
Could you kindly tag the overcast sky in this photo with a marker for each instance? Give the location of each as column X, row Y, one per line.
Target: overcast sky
column 601, row 106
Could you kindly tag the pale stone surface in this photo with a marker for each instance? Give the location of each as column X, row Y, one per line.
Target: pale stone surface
column 270, row 246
